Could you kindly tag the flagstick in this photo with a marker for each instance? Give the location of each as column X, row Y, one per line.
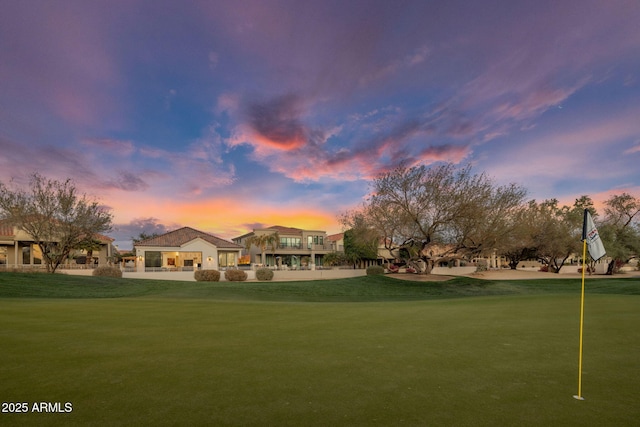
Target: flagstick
column 584, row 259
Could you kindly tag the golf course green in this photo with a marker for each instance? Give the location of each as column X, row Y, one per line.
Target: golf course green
column 364, row 351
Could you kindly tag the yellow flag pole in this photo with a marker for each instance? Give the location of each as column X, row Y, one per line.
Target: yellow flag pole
column 584, row 260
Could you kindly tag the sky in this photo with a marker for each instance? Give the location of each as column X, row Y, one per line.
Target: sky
column 226, row 116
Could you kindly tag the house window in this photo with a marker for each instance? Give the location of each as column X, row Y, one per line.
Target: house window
column 227, row 259
column 26, row 254
column 37, row 254
column 153, row 259
column 314, row 240
column 291, row 242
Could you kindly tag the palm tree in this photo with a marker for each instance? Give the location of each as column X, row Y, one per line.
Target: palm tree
column 273, row 241
column 263, row 241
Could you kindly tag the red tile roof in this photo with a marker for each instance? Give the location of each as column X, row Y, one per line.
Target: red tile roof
column 184, row 235
column 103, row 239
column 285, row 230
column 5, row 229
column 335, row 237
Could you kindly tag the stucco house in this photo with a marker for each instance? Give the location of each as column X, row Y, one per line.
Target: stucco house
column 336, row 241
column 295, row 248
column 18, row 249
column 186, row 249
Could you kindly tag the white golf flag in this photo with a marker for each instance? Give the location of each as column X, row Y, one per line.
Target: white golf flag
column 590, row 234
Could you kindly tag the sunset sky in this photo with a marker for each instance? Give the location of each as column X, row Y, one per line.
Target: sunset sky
column 229, row 115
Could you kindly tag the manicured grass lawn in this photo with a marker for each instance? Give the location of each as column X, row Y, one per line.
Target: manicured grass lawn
column 364, row 351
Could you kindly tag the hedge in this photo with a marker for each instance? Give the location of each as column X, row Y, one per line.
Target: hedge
column 235, row 275
column 264, row 274
column 374, row 270
column 207, row 275
column 107, row 271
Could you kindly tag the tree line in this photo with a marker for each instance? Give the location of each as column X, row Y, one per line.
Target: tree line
column 413, row 209
column 409, row 211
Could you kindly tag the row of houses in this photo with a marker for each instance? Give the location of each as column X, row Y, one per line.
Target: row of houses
column 187, row 249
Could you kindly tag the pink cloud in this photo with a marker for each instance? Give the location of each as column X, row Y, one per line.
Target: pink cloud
column 228, row 102
column 111, row 167
column 374, row 142
column 634, row 149
column 587, row 154
column 277, row 122
column 20, row 160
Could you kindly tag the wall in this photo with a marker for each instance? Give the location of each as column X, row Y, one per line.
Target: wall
column 188, row 276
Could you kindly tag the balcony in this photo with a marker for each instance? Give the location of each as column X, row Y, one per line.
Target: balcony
column 302, row 248
column 325, row 247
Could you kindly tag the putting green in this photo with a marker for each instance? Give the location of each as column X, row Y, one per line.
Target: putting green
column 162, row 360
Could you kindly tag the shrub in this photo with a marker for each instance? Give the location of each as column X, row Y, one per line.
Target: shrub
column 334, row 258
column 264, row 274
column 107, row 271
column 235, row 275
column 481, row 265
column 374, row 270
column 207, row 275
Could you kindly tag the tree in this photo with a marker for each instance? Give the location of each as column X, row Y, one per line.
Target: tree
column 273, row 243
column 334, row 259
column 360, row 239
column 620, row 230
column 557, row 232
column 263, row 241
column 489, row 221
column 55, row 215
column 519, row 244
column 90, row 244
column 442, row 204
column 360, row 244
column 144, row 236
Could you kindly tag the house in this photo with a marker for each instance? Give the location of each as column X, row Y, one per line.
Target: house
column 186, row 249
column 18, row 249
column 294, row 248
column 337, row 242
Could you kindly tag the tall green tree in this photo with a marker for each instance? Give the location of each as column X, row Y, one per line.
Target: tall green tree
column 55, row 215
column 360, row 244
